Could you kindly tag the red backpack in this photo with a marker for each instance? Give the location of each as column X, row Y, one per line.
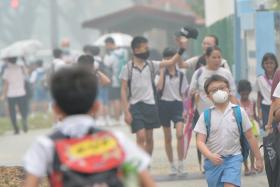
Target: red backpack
column 94, row 159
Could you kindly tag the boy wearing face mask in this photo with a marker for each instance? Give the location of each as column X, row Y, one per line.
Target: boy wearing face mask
column 222, row 147
column 141, row 111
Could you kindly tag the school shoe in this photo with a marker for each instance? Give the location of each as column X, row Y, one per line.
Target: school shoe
column 173, row 170
column 181, row 170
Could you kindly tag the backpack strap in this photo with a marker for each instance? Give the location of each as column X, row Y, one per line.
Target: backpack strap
column 238, row 118
column 129, row 70
column 160, row 92
column 181, row 82
column 207, row 121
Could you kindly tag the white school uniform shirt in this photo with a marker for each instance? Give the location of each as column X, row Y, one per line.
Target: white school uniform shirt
column 264, row 88
column 224, row 133
column 141, row 82
column 276, row 92
column 171, row 87
column 39, row 157
column 15, row 76
column 197, row 83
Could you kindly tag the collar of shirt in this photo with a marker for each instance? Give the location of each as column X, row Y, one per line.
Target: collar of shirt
column 171, row 76
column 76, row 125
column 229, row 107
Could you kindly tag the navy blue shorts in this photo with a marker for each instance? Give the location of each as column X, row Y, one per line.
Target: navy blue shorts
column 170, row 111
column 144, row 116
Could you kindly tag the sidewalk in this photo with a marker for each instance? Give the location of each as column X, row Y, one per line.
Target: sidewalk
column 13, row 147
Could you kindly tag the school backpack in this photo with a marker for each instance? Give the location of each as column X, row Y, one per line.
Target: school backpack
column 245, row 147
column 92, row 160
column 181, row 76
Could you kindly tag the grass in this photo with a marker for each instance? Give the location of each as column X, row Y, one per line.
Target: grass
column 39, row 121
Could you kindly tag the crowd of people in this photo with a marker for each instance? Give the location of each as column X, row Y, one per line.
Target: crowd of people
column 148, row 94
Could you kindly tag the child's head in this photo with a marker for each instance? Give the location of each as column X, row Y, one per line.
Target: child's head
column 168, row 53
column 86, row 61
column 140, row 48
column 244, row 89
column 91, row 50
column 217, row 89
column 269, row 62
column 213, row 57
column 74, row 91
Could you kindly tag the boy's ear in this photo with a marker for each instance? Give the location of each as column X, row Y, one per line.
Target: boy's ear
column 57, row 111
column 94, row 108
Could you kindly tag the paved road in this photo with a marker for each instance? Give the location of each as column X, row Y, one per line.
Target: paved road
column 13, row 147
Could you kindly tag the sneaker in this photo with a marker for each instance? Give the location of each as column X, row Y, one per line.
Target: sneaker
column 181, row 170
column 173, row 170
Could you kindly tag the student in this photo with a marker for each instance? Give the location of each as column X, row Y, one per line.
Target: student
column 14, row 90
column 221, row 146
column 141, row 111
column 172, row 85
column 244, row 89
column 87, row 61
column 264, row 87
column 213, row 58
column 74, row 91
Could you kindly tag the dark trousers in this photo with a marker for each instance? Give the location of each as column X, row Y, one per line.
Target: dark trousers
column 22, row 103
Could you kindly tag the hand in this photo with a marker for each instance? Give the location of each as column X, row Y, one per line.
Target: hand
column 268, row 128
column 259, row 165
column 128, row 118
column 182, row 42
column 216, row 159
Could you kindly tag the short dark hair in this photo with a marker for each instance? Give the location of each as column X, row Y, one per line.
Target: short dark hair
column 244, row 85
column 91, row 49
column 39, row 63
column 57, row 53
column 168, row 52
column 215, row 38
column 74, row 89
column 86, row 60
column 137, row 41
column 210, row 50
column 270, row 56
column 12, row 60
column 110, row 40
column 214, row 78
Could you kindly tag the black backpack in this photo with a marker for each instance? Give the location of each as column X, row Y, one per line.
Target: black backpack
column 87, row 161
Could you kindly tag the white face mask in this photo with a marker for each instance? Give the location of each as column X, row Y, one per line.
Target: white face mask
column 220, row 96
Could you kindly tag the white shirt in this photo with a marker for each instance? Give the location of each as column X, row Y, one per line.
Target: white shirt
column 34, row 75
column 141, row 82
column 276, row 92
column 112, row 61
column 38, row 159
column 264, row 88
column 197, row 83
column 171, row 87
column 224, row 133
column 15, row 76
column 58, row 63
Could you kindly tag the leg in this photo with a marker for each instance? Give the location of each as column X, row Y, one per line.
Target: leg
column 168, row 143
column 117, row 109
column 252, row 159
column 23, row 108
column 246, row 168
column 149, row 141
column 179, row 136
column 229, row 185
column 141, row 138
column 12, row 113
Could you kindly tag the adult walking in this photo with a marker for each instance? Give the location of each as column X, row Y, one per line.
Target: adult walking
column 15, row 93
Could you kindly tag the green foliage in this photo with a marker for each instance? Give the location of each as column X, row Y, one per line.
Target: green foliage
column 39, row 121
column 197, row 6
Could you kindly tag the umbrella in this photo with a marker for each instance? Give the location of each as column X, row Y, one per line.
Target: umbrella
column 21, row 48
column 188, row 128
column 271, row 147
column 121, row 39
